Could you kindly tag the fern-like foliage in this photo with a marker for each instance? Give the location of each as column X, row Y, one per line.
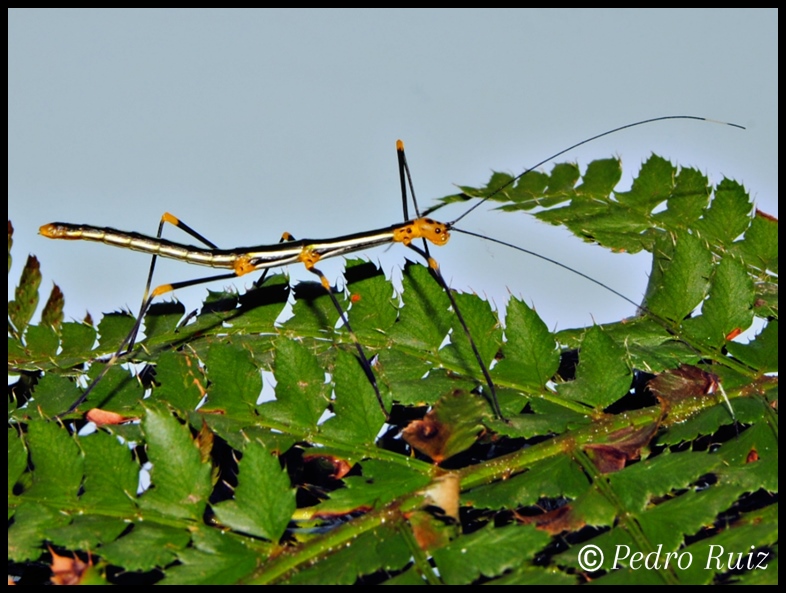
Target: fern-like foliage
column 617, row 436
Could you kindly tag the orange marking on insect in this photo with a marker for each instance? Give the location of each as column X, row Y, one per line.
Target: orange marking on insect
column 54, row 231
column 170, row 218
column 163, row 289
column 308, row 258
column 243, row 265
column 422, row 228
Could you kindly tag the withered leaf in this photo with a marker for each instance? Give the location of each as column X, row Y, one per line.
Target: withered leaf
column 101, row 417
column 683, row 382
column 622, row 446
column 67, row 570
column 451, row 426
column 340, row 467
column 554, row 522
column 430, row 533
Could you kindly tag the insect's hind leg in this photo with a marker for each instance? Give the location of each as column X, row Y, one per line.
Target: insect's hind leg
column 309, row 259
column 440, row 279
column 406, row 182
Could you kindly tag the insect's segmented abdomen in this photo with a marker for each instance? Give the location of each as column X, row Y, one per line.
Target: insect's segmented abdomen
column 137, row 242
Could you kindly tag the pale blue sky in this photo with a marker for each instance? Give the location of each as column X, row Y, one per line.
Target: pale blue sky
column 250, row 123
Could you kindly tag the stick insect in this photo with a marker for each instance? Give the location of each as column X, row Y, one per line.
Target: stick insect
column 309, row 252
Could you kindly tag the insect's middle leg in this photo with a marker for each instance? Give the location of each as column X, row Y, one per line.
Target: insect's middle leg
column 128, row 343
column 309, row 259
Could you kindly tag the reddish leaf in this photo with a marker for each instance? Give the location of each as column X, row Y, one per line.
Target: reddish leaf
column 52, row 315
column 339, row 466
column 428, row 436
column 103, row 418
column 430, row 532
column 451, row 426
column 554, row 522
column 66, row 570
column 204, row 440
column 625, row 445
column 683, row 382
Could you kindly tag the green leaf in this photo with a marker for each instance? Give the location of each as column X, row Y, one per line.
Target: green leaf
column 653, row 185
column 313, row 310
column 373, row 308
column 57, row 462
column 87, row 532
column 42, row 341
column 728, row 215
column 600, row 178
column 29, row 528
column 111, row 475
column 759, row 248
column 163, row 318
column 301, row 395
column 112, row 330
column 489, row 552
column 483, row 327
column 551, row 478
column 180, row 478
column 379, row 483
column 602, row 376
column 54, row 393
column 264, row 500
column 235, row 380
column 762, row 352
column 424, row 319
column 17, row 459
column 680, row 273
column 146, row 547
column 728, row 308
column 181, row 380
column 118, row 391
column 359, row 417
column 531, row 354
column 687, row 201
column 77, row 339
column 214, row 559
column 383, row 549
column 452, row 426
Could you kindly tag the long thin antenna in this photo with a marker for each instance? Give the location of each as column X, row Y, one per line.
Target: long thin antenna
column 551, row 261
column 585, row 141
